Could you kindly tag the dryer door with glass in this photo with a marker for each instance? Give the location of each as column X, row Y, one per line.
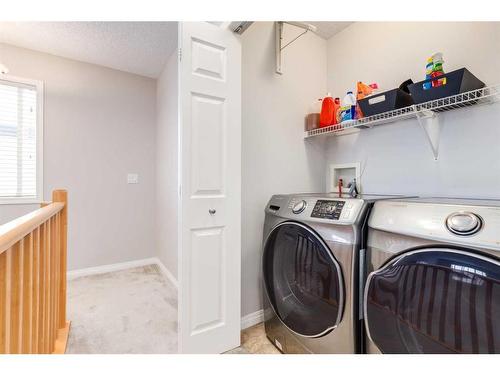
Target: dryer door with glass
column 435, row 300
column 303, row 280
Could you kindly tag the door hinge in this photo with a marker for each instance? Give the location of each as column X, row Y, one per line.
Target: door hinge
column 180, row 54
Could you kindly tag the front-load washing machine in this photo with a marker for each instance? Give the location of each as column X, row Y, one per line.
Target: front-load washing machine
column 434, row 281
column 311, row 254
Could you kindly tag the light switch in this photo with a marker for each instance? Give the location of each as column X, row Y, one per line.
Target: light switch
column 132, row 178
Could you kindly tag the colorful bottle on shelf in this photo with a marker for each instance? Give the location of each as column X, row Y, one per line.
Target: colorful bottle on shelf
column 428, row 73
column 434, row 69
column 362, row 91
column 348, row 109
column 327, row 115
column 437, row 70
column 336, row 111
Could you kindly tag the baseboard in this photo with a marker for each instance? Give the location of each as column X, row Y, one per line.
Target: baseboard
column 166, row 272
column 246, row 321
column 110, row 268
column 252, row 319
column 123, row 266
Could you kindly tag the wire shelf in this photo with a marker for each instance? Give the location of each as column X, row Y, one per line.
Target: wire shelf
column 485, row 95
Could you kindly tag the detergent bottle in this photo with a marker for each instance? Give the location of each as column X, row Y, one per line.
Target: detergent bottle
column 336, row 111
column 349, row 99
column 326, row 117
column 437, row 69
column 348, row 109
column 434, row 69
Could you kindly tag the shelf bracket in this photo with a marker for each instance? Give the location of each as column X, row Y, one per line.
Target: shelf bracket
column 279, row 25
column 430, row 123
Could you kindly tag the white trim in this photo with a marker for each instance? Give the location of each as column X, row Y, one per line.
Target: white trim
column 247, row 321
column 39, row 85
column 110, row 268
column 252, row 319
column 166, row 272
column 21, row 80
column 40, row 102
column 123, row 266
column 20, row 201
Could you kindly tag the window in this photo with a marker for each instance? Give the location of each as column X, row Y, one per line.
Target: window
column 21, row 132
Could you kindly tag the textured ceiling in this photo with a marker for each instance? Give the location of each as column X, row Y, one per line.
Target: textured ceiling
column 328, row 29
column 136, row 47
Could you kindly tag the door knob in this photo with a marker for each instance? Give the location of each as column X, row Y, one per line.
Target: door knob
column 212, row 211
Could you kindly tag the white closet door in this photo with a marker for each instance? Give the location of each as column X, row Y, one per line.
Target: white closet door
column 210, row 167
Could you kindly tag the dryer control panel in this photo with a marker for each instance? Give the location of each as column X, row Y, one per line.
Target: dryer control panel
column 328, row 209
column 317, row 208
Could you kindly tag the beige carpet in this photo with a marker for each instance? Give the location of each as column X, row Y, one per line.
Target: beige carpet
column 130, row 311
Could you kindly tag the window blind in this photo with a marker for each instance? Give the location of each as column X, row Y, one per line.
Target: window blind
column 18, row 140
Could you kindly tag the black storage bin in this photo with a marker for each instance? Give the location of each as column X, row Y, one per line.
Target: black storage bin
column 457, row 82
column 384, row 102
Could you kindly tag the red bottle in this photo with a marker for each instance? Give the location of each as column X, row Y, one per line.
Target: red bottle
column 327, row 115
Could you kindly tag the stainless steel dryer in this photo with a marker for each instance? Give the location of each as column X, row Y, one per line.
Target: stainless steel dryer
column 434, row 282
column 311, row 256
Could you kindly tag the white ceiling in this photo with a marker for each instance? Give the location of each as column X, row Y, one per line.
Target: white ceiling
column 136, row 47
column 328, row 29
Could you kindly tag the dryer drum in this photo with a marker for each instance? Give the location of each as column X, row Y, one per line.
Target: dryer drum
column 303, row 280
column 435, row 301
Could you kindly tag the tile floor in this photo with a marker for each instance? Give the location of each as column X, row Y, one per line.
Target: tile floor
column 254, row 341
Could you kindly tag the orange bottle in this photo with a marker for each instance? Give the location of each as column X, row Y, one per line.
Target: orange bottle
column 327, row 115
column 336, row 109
column 362, row 92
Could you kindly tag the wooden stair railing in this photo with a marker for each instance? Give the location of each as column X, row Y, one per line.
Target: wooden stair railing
column 33, row 280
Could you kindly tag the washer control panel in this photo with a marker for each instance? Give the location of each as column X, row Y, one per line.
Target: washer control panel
column 342, row 210
column 328, row 209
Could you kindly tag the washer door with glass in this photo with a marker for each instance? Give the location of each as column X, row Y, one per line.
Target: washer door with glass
column 303, row 280
column 435, row 301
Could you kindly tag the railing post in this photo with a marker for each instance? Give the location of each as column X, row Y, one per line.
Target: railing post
column 33, row 256
column 62, row 196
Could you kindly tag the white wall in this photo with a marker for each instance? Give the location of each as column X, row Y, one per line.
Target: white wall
column 166, row 165
column 391, row 52
column 10, row 212
column 99, row 125
column 275, row 158
column 396, row 157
